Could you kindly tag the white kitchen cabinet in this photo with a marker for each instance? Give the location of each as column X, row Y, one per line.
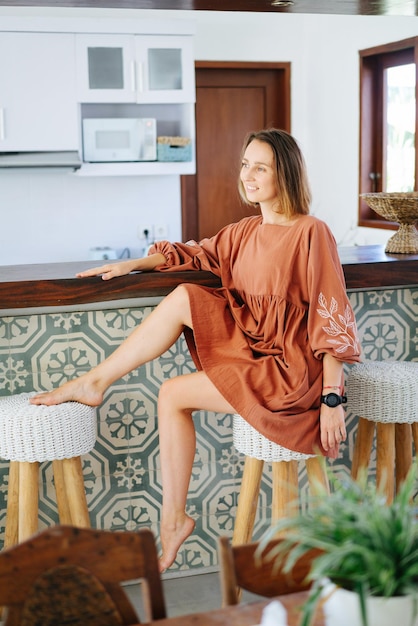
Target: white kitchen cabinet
column 54, row 73
column 38, row 105
column 135, row 68
column 138, row 75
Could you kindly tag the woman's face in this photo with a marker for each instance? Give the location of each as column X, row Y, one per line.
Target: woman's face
column 258, row 173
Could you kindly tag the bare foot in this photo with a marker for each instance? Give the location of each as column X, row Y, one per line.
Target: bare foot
column 171, row 539
column 81, row 389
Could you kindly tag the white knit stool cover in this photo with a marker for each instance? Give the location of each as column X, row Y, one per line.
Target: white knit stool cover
column 384, row 391
column 250, row 442
column 258, row 449
column 31, row 434
column 384, row 395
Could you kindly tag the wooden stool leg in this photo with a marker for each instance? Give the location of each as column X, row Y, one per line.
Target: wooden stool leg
column 362, row 447
column 414, row 428
column 11, row 535
column 247, row 501
column 60, row 490
column 317, row 475
column 285, row 501
column 28, row 499
column 76, row 495
column 385, row 459
column 403, row 452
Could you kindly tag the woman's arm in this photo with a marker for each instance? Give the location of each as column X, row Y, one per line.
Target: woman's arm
column 332, row 419
column 111, row 270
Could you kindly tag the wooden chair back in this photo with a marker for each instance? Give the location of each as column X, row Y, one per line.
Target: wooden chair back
column 73, row 576
column 241, row 568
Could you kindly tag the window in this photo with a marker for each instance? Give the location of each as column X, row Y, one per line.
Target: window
column 388, row 123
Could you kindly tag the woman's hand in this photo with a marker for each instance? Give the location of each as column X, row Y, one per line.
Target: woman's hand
column 332, row 423
column 112, row 270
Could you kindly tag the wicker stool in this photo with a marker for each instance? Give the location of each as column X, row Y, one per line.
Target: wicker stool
column 384, row 395
column 257, row 450
column 32, row 434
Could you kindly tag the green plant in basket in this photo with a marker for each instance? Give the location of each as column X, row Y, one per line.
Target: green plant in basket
column 367, row 546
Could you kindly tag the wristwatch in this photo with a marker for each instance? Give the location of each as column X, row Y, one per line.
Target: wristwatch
column 333, row 399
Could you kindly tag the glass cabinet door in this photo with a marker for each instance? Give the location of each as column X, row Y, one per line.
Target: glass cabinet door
column 135, row 68
column 106, row 68
column 165, row 69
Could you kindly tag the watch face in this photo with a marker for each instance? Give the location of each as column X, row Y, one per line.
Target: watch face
column 332, row 399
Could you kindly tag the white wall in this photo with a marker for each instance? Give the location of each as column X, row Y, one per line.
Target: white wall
column 54, row 216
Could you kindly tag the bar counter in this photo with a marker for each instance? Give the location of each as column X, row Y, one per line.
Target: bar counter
column 54, row 284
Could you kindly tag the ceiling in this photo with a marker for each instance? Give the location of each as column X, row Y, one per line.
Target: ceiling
column 342, row 7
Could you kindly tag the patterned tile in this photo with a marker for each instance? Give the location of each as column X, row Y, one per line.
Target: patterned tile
column 122, row 473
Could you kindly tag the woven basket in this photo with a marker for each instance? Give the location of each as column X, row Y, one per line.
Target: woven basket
column 174, row 149
column 403, row 209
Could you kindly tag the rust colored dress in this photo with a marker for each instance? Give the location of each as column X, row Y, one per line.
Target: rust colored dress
column 260, row 338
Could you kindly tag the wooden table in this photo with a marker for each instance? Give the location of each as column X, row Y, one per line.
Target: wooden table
column 244, row 614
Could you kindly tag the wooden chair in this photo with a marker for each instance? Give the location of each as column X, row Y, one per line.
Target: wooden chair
column 72, row 576
column 240, row 569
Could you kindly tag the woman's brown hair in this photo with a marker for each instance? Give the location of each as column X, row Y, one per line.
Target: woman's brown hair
column 293, row 190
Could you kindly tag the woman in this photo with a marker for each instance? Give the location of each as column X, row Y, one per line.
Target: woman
column 269, row 344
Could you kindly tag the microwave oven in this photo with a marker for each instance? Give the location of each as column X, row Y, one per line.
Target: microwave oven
column 119, row 139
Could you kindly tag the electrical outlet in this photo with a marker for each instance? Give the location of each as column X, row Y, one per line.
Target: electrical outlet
column 161, row 231
column 146, row 233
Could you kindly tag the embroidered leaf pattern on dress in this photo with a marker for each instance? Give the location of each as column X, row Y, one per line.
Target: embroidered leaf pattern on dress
column 340, row 326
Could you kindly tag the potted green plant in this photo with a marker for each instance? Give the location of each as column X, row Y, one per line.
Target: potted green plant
column 369, row 552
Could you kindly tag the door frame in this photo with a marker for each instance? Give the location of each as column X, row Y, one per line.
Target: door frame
column 188, row 183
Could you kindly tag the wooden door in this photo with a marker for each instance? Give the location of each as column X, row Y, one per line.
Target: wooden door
column 232, row 99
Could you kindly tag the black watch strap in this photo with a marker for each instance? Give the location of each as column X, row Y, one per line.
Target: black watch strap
column 333, row 399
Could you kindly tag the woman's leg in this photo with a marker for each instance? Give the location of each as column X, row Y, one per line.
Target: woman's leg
column 149, row 340
column 178, row 398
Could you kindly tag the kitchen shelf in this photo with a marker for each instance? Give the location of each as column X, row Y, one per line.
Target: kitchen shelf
column 149, row 168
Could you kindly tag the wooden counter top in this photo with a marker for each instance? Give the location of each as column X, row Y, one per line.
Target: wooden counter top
column 54, row 284
column 24, row 286
column 369, row 267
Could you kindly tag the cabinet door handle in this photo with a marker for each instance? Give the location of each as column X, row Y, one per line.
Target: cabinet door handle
column 140, row 77
column 133, row 76
column 2, row 125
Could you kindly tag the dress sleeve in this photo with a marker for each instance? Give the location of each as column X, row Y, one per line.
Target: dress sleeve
column 331, row 323
column 187, row 256
column 209, row 254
